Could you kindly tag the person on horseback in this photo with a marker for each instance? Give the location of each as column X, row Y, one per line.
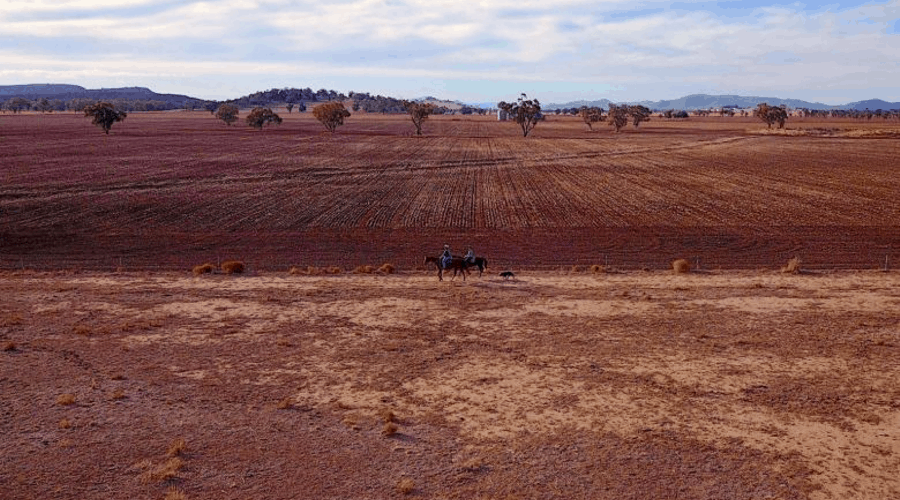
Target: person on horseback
column 446, row 257
column 470, row 257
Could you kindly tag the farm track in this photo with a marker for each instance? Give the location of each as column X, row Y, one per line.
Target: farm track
column 171, row 189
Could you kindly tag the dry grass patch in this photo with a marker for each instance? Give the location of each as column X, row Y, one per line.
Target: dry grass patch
column 204, row 269
column 81, row 330
column 597, row 269
column 65, row 399
column 386, row 269
column 232, row 267
column 65, row 424
column 285, row 404
column 12, row 319
column 162, row 472
column 174, row 493
column 117, row 395
column 792, row 267
column 176, row 448
column 9, row 346
column 406, row 486
column 389, row 429
column 681, row 266
column 575, row 269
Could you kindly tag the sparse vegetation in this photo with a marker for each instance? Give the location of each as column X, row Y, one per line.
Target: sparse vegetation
column 67, row 399
column 176, row 448
column 386, row 269
column 792, row 267
column 162, row 472
column 591, row 115
column 174, row 493
column 364, row 269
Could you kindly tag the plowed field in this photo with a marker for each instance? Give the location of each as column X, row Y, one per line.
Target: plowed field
column 171, row 190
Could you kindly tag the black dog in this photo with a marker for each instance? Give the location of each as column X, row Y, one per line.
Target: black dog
column 507, row 275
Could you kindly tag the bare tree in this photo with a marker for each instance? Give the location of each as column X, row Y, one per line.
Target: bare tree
column 261, row 117
column 591, row 115
column 104, row 114
column 228, row 113
column 526, row 112
column 331, row 114
column 418, row 112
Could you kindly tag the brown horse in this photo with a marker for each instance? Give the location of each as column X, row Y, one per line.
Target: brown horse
column 458, row 264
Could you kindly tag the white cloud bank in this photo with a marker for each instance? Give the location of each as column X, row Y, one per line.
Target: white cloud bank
column 475, row 50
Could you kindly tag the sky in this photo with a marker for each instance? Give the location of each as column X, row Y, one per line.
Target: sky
column 472, row 51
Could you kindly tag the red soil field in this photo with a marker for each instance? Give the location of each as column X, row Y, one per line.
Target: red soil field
column 172, row 190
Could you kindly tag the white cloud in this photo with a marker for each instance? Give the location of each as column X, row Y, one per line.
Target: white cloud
column 528, row 40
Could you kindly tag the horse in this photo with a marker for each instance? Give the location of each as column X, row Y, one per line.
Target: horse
column 458, row 264
column 480, row 263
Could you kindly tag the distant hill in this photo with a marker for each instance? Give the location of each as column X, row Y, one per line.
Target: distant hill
column 872, row 104
column 67, row 92
column 705, row 101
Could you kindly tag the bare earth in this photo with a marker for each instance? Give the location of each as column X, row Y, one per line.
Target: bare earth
column 635, row 385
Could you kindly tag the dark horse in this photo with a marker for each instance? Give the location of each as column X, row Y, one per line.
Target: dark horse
column 459, row 266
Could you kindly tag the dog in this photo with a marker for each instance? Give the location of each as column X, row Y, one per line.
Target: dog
column 507, row 275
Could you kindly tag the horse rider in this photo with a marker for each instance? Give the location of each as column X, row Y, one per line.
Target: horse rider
column 446, row 257
column 470, row 256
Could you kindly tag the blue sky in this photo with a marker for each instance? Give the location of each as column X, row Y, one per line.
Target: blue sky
column 475, row 51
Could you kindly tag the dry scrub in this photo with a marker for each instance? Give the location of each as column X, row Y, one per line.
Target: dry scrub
column 232, row 267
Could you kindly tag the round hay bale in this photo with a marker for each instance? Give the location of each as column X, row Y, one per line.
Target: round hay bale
column 681, row 266
column 204, row 268
column 232, row 267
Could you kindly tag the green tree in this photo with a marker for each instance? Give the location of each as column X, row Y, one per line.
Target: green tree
column 228, row 113
column 331, row 114
column 618, row 116
column 639, row 114
column 104, row 114
column 526, row 112
column 260, row 117
column 418, row 112
column 771, row 114
column 591, row 115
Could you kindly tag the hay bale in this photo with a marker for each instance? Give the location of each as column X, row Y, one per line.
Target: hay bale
column 386, row 269
column 792, row 267
column 232, row 267
column 681, row 266
column 203, row 269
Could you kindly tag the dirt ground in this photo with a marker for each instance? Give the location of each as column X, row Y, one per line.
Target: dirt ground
column 629, row 385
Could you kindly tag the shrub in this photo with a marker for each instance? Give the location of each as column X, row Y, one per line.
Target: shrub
column 681, row 266
column 204, row 268
column 597, row 269
column 232, row 267
column 363, row 270
column 335, row 270
column 163, row 472
column 9, row 346
column 792, row 267
column 386, row 269
column 174, row 493
column 65, row 399
column 389, row 429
